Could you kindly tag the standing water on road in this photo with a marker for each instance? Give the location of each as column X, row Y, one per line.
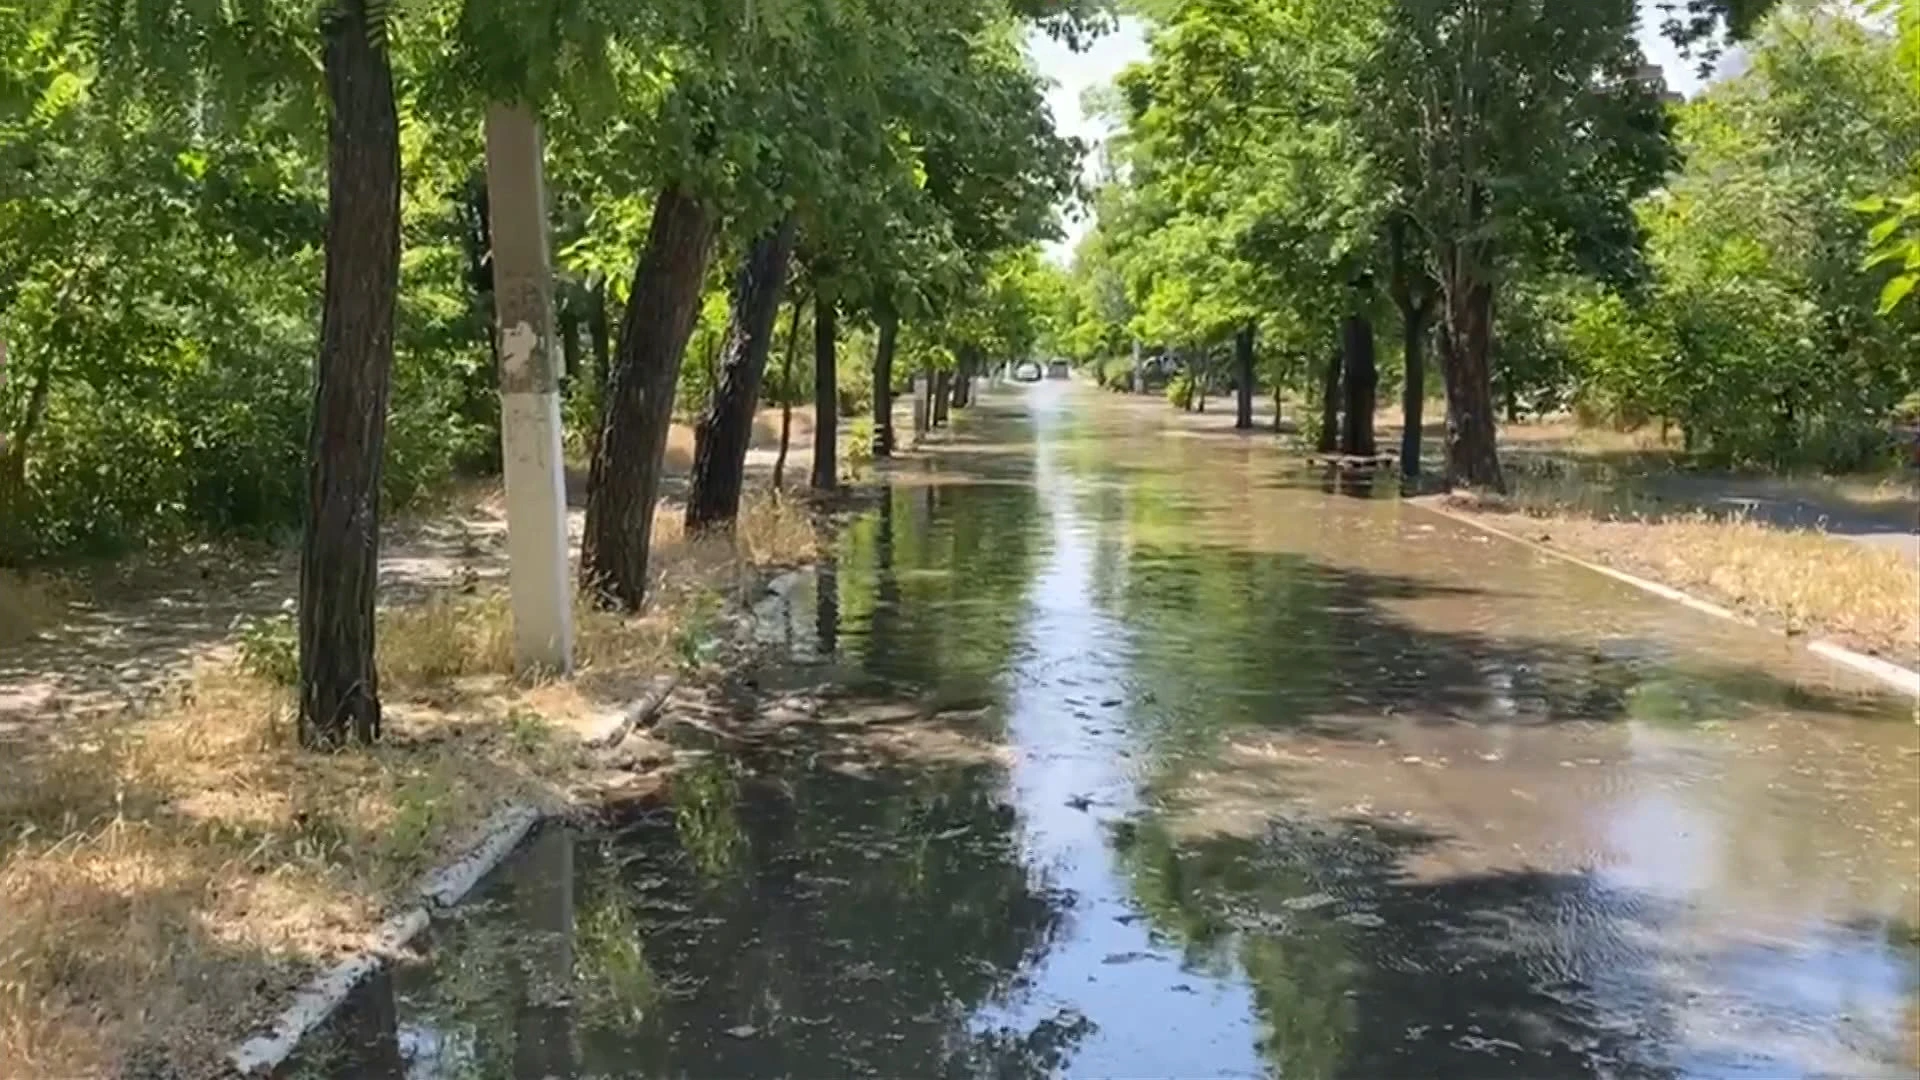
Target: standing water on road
column 1149, row 753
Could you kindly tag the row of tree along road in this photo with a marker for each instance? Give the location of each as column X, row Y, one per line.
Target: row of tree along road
column 509, row 223
column 1510, row 182
column 279, row 264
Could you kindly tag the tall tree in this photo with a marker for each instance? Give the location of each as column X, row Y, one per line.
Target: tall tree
column 885, row 346
column 1508, row 121
column 624, row 479
column 340, row 557
column 725, row 429
column 826, row 392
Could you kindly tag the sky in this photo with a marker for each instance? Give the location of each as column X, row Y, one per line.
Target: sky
column 1073, row 74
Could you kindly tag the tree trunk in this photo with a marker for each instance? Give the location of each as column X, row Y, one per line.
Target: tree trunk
column 963, row 378
column 1413, row 395
column 13, row 456
column 602, row 341
column 1360, row 382
column 725, row 430
column 889, row 321
column 942, row 390
column 597, row 330
column 569, row 316
column 826, row 394
column 786, row 396
column 478, row 241
column 340, row 555
column 624, row 482
column 1473, row 458
column 1330, row 405
column 1243, row 377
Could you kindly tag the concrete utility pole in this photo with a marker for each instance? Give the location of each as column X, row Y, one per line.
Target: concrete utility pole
column 538, row 576
column 922, row 405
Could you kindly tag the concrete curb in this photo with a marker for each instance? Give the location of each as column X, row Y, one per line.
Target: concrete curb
column 446, row 887
column 1890, row 674
column 318, row 1000
column 440, row 890
column 611, row 728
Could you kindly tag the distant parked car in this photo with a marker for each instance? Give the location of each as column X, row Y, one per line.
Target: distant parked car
column 1059, row 369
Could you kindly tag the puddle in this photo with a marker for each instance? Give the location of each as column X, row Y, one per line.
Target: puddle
column 1158, row 757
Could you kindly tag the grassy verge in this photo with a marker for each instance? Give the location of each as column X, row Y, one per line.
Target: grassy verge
column 1798, row 579
column 26, row 605
column 168, row 874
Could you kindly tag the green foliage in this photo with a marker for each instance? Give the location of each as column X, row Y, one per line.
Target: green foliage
column 1271, row 148
column 856, row 443
column 1760, row 334
column 1894, row 241
column 269, row 650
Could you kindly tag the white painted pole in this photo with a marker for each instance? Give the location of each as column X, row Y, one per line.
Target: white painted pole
column 538, row 576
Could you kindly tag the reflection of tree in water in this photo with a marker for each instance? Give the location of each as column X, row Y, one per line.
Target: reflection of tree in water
column 1228, row 908
column 800, row 922
column 932, row 585
column 1230, row 640
column 859, row 925
column 1358, row 971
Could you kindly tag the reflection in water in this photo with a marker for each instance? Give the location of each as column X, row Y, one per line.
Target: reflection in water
column 1242, row 779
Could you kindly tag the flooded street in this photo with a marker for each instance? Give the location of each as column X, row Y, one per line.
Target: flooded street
column 1143, row 751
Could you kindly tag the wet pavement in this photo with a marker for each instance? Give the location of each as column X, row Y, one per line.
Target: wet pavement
column 1137, row 750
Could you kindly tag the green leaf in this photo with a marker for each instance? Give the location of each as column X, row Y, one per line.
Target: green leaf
column 1897, row 290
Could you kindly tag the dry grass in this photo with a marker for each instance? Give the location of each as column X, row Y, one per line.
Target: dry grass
column 169, row 874
column 1801, row 580
column 26, row 605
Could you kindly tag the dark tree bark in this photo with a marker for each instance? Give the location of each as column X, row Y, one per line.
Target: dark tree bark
column 477, row 239
column 624, row 482
column 1413, row 395
column 1360, row 384
column 889, row 321
column 1243, row 377
column 1466, row 334
column 826, row 395
column 962, row 386
column 942, row 393
column 786, row 396
column 1330, row 405
column 569, row 319
column 1413, row 294
column 340, row 555
column 602, row 343
column 725, row 430
column 598, row 332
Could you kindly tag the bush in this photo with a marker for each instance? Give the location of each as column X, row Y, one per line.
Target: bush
column 856, row 443
column 1181, row 389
